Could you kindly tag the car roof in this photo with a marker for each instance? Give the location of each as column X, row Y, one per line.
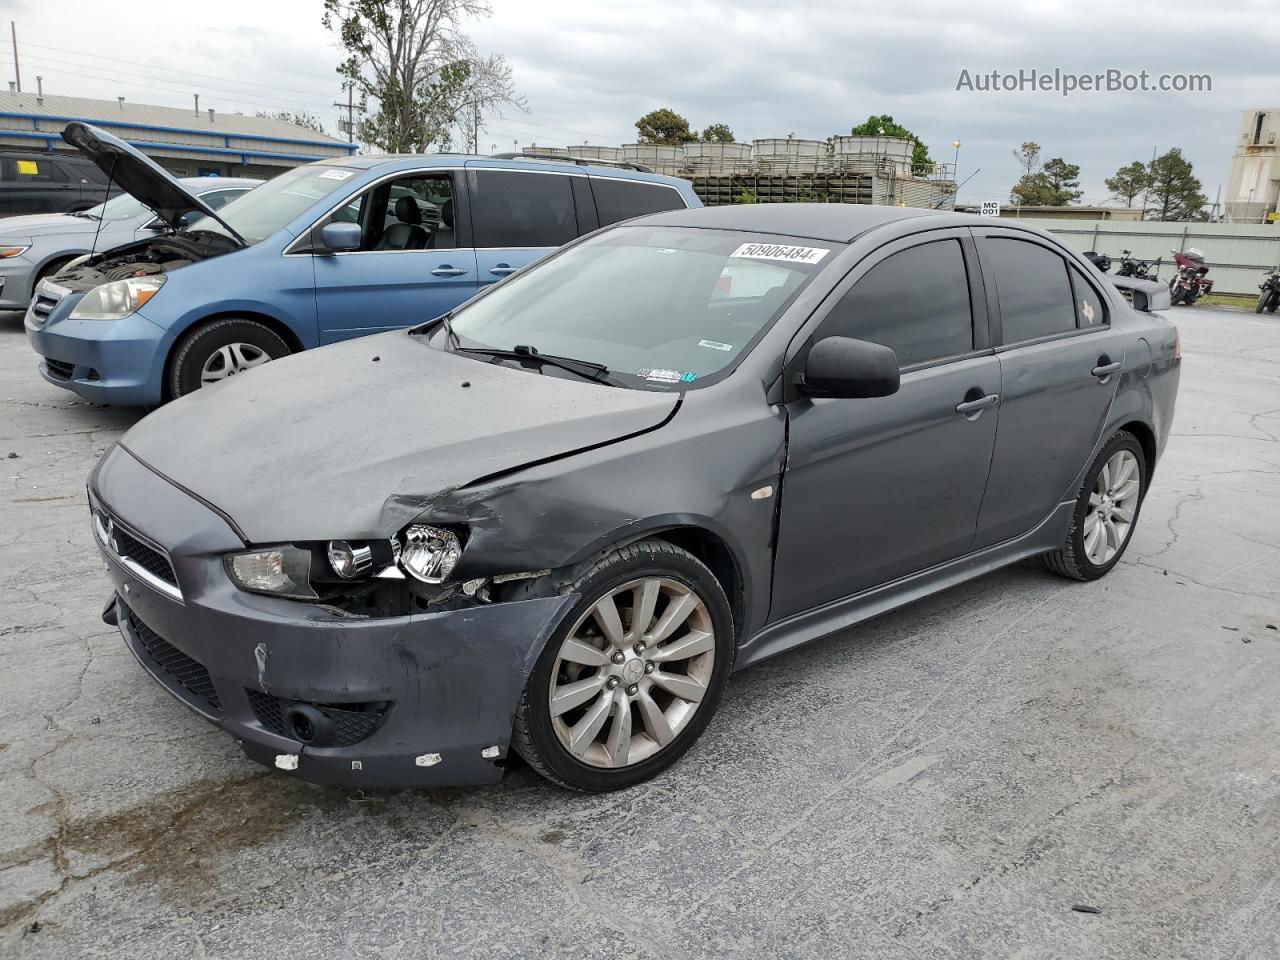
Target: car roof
column 418, row 161
column 836, row 222
column 205, row 184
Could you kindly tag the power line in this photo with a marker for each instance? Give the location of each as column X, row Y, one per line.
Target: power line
column 111, row 73
column 190, row 73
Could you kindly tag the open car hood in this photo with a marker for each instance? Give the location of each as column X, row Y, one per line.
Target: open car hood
column 354, row 440
column 140, row 176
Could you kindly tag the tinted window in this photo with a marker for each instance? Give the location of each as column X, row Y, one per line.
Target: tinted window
column 916, row 302
column 622, row 199
column 522, row 209
column 31, row 170
column 1090, row 310
column 1034, row 292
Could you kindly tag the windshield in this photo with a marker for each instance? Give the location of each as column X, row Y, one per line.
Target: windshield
column 265, row 209
column 123, row 207
column 662, row 307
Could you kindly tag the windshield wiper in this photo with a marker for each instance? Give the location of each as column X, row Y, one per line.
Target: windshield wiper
column 586, row 369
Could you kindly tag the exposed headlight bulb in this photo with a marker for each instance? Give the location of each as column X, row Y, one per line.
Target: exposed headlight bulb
column 430, row 553
column 350, row 561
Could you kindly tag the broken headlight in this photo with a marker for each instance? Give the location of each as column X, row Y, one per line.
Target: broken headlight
column 430, row 553
column 280, row 571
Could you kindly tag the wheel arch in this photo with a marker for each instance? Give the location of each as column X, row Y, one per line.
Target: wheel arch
column 275, row 325
column 1146, row 438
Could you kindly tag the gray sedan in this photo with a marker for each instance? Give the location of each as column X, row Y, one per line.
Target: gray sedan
column 34, row 247
column 557, row 519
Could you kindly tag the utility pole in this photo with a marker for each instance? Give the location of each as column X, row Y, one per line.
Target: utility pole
column 17, row 74
column 350, row 107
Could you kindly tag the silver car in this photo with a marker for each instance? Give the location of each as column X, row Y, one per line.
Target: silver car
column 36, row 246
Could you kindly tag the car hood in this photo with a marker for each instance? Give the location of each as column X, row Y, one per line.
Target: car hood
column 44, row 225
column 139, row 175
column 354, row 440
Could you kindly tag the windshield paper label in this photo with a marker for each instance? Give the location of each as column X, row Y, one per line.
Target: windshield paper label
column 776, row 251
column 336, row 175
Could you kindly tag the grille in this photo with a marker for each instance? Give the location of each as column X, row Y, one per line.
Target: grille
column 129, row 546
column 58, row 369
column 352, row 722
column 41, row 306
column 188, row 674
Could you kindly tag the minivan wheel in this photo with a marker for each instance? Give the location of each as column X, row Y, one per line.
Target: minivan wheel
column 1106, row 511
column 217, row 351
column 633, row 673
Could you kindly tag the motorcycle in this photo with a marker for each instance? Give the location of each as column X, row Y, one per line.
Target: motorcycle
column 1189, row 284
column 1131, row 266
column 1099, row 260
column 1269, row 299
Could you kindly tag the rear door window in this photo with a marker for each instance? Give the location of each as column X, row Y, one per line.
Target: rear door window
column 1032, row 287
column 511, row 209
column 1091, row 310
column 623, row 199
column 916, row 302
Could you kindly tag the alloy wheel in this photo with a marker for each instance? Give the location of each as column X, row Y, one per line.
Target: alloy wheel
column 1113, row 503
column 227, row 361
column 632, row 672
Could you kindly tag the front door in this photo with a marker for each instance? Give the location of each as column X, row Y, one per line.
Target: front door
column 876, row 489
column 1059, row 368
column 414, row 263
column 519, row 217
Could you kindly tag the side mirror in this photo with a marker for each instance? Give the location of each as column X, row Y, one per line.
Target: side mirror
column 341, row 237
column 844, row 367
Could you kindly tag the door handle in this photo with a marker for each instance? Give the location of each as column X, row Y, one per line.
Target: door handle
column 444, row 270
column 1106, row 367
column 977, row 406
column 502, row 269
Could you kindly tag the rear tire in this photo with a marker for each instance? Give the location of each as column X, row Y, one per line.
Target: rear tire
column 219, row 350
column 1112, row 503
column 599, row 714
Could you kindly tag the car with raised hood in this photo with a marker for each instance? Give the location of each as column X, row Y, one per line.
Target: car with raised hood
column 558, row 518
column 324, row 252
column 38, row 246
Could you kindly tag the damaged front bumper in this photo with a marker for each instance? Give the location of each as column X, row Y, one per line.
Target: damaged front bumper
column 413, row 701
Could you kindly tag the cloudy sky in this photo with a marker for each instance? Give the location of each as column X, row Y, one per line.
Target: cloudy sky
column 588, row 69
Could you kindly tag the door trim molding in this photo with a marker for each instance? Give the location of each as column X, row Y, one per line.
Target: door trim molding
column 801, row 628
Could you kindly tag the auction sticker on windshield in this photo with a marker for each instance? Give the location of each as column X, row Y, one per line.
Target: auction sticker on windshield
column 336, row 175
column 777, row 251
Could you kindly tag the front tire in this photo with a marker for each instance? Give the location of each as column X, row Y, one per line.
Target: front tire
column 633, row 674
column 1106, row 511
column 217, row 351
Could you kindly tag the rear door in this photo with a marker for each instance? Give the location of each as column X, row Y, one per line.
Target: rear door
column 879, row 488
column 414, row 261
column 1059, row 368
column 519, row 216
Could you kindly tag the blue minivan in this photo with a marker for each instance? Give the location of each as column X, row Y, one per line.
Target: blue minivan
column 324, row 252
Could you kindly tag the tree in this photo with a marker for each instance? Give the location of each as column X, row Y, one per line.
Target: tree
column 302, row 118
column 1128, row 182
column 1056, row 184
column 1028, row 157
column 664, row 126
column 1175, row 191
column 717, row 133
column 885, row 126
column 425, row 77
